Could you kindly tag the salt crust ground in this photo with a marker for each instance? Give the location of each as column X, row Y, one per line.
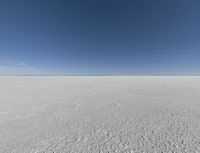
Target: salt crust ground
column 100, row 114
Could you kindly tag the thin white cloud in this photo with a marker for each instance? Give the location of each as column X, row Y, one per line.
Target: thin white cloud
column 11, row 67
column 22, row 64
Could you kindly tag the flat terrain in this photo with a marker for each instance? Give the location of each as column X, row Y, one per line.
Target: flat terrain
column 91, row 114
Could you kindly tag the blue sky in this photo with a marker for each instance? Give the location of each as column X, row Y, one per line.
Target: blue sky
column 99, row 37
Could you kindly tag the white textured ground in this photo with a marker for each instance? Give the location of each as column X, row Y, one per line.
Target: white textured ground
column 99, row 114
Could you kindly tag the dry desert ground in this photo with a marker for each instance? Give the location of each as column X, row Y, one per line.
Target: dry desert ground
column 100, row 114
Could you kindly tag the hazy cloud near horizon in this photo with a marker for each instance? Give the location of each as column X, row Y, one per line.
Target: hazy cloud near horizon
column 12, row 67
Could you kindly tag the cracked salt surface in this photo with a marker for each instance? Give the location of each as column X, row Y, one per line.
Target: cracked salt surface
column 100, row 114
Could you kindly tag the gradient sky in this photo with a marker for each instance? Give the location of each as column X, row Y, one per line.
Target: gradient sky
column 99, row 37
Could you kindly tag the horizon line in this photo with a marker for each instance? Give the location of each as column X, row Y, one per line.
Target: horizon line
column 185, row 74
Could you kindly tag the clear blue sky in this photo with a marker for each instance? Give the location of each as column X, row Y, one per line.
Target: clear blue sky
column 99, row 37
